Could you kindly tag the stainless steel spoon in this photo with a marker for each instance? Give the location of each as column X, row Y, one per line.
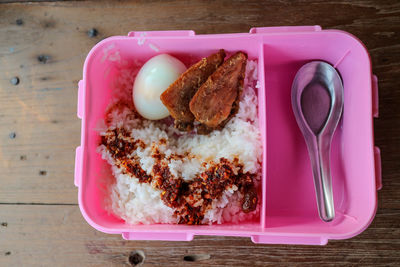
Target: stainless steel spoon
column 317, row 101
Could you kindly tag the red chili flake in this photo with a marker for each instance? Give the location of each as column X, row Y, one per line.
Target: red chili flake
column 183, row 196
column 249, row 201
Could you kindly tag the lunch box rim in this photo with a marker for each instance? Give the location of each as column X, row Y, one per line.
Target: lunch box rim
column 256, row 236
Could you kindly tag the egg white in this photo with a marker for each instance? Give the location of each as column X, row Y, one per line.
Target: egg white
column 155, row 76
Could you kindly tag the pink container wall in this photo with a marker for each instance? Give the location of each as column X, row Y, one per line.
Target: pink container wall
column 289, row 212
column 101, row 75
column 291, row 203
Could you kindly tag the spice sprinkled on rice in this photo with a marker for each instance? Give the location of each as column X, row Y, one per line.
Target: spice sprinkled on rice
column 166, row 176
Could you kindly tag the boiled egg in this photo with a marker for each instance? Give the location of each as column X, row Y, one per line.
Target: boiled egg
column 155, row 76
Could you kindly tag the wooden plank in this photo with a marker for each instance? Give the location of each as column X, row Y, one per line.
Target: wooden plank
column 44, row 44
column 50, row 235
column 41, row 108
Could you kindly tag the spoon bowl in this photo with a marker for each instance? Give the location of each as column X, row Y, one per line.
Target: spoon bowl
column 317, row 102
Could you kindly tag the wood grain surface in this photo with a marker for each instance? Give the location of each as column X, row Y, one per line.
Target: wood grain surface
column 43, row 45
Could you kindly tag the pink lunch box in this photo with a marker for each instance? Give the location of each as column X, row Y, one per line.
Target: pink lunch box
column 288, row 212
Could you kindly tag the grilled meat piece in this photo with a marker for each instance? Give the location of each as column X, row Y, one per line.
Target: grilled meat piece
column 217, row 99
column 178, row 95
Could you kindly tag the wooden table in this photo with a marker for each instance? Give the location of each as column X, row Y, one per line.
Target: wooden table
column 42, row 49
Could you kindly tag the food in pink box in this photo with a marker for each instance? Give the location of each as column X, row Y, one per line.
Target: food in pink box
column 209, row 172
column 286, row 209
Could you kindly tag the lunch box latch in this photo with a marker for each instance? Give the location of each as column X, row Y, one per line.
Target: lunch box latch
column 375, row 114
column 78, row 151
column 81, row 94
column 157, row 236
column 305, row 240
column 78, row 166
column 375, row 97
column 315, row 28
column 161, row 34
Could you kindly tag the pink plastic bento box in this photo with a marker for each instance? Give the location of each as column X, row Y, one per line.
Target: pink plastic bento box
column 288, row 207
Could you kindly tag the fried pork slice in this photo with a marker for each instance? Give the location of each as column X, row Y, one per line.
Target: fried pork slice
column 178, row 95
column 218, row 97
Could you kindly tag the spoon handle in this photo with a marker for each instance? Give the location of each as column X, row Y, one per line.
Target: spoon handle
column 320, row 161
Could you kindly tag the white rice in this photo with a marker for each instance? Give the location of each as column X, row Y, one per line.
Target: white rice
column 240, row 138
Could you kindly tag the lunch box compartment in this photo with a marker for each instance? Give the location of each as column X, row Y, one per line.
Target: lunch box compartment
column 288, row 212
